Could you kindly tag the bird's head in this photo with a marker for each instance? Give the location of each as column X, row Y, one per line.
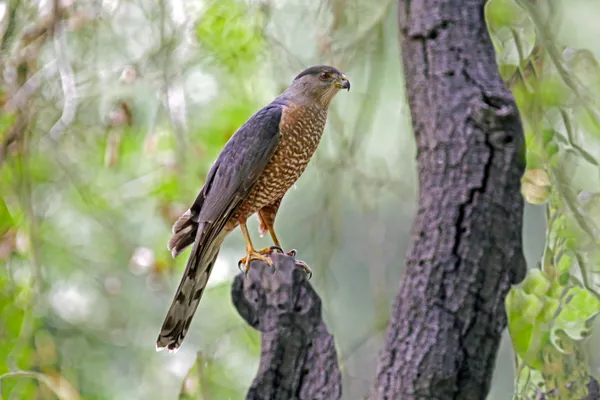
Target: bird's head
column 320, row 83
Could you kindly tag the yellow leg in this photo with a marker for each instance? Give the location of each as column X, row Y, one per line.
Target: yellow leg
column 266, row 217
column 274, row 236
column 251, row 253
column 292, row 253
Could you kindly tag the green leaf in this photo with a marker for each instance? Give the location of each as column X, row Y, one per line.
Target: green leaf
column 523, row 312
column 504, row 13
column 564, row 263
column 535, row 283
column 533, row 323
column 577, row 314
column 6, row 221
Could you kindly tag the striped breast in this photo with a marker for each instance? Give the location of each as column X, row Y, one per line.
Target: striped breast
column 301, row 130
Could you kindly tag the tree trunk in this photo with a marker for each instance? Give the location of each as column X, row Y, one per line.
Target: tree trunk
column 298, row 359
column 466, row 250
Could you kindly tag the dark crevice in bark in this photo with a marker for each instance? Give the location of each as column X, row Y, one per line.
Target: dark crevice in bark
column 425, row 63
column 460, row 228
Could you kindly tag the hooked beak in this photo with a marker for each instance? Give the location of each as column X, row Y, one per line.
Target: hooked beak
column 343, row 83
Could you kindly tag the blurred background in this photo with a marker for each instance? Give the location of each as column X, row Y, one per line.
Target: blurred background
column 113, row 113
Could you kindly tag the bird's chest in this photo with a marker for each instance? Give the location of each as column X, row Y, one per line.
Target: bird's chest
column 301, row 130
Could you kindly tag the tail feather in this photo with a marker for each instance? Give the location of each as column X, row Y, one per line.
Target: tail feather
column 185, row 302
column 184, row 233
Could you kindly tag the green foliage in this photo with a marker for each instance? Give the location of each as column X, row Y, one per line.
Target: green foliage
column 230, row 31
column 85, row 276
column 542, row 311
column 550, row 313
column 14, row 301
column 6, row 121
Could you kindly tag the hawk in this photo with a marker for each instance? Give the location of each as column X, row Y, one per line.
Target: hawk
column 255, row 169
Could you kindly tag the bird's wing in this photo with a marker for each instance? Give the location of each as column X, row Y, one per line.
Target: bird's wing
column 232, row 176
column 241, row 162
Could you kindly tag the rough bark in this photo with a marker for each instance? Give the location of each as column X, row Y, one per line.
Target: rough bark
column 466, row 251
column 298, row 357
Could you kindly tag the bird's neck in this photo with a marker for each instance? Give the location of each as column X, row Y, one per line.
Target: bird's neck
column 319, row 103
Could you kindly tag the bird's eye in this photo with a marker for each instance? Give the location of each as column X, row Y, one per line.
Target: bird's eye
column 324, row 76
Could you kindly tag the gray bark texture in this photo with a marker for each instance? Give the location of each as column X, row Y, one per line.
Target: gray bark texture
column 466, row 248
column 298, row 357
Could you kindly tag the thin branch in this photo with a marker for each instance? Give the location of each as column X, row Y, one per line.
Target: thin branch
column 22, row 96
column 67, row 80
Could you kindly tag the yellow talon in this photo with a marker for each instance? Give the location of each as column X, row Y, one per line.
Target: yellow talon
column 255, row 255
column 251, row 253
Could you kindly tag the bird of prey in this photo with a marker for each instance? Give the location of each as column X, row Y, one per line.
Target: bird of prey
column 255, row 169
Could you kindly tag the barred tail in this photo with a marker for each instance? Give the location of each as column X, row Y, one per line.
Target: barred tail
column 199, row 266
